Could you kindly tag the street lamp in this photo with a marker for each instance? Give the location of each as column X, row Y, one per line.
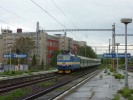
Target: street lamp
column 10, row 58
column 117, row 55
column 126, row 21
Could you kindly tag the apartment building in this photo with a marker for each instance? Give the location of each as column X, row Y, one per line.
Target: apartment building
column 82, row 43
column 1, row 48
column 52, row 45
column 66, row 43
column 47, row 44
column 8, row 39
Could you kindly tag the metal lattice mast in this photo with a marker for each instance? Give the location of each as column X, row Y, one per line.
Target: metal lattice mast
column 113, row 38
column 109, row 45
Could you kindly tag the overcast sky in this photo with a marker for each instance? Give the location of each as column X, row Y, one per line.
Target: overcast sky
column 72, row 14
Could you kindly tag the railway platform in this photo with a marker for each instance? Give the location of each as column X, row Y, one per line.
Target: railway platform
column 101, row 87
column 26, row 74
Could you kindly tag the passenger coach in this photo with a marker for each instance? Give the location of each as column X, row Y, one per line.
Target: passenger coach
column 66, row 63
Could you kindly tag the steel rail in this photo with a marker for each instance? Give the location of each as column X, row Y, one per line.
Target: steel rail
column 52, row 88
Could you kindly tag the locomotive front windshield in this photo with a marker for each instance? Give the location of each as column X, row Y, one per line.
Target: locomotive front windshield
column 63, row 57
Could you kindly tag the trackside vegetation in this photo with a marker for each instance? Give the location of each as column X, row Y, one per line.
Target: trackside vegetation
column 119, row 76
column 126, row 93
column 116, row 97
column 14, row 73
column 18, row 93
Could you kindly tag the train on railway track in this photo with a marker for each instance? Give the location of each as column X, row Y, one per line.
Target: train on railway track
column 66, row 63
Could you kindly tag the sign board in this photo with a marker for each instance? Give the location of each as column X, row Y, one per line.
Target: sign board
column 109, row 55
column 114, row 55
column 14, row 55
column 122, row 55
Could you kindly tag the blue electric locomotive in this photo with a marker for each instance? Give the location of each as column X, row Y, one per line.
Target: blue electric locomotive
column 69, row 62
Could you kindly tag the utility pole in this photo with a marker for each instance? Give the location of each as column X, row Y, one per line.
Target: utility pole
column 113, row 44
column 64, row 40
column 37, row 37
column 113, row 38
column 10, row 58
column 109, row 45
column 126, row 21
column 37, row 43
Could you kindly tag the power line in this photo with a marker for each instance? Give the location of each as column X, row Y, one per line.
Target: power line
column 51, row 16
column 58, row 8
column 11, row 12
column 48, row 14
column 63, row 13
column 11, row 24
column 66, row 17
column 8, row 23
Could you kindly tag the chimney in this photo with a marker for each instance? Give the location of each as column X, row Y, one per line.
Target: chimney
column 19, row 30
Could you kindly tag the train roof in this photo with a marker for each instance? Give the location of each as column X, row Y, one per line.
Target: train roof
column 82, row 57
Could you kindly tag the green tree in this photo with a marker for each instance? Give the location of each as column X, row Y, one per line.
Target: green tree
column 34, row 60
column 24, row 45
column 121, row 60
column 53, row 62
column 87, row 52
column 42, row 63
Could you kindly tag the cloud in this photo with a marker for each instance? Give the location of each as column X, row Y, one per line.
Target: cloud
column 91, row 14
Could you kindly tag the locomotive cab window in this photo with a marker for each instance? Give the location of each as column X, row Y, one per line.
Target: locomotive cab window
column 60, row 57
column 66, row 57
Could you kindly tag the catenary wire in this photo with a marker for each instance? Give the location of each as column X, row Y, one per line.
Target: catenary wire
column 11, row 12
column 12, row 25
column 51, row 16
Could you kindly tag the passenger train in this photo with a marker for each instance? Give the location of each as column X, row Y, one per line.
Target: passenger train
column 66, row 63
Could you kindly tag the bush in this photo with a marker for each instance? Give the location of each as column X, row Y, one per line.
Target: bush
column 126, row 92
column 111, row 70
column 119, row 76
column 101, row 76
column 117, row 97
column 130, row 98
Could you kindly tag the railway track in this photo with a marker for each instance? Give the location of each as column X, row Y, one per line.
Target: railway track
column 37, row 91
column 51, row 93
column 74, row 86
column 11, row 87
column 24, row 81
column 130, row 68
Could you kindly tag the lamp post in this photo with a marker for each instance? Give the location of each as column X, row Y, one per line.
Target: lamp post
column 47, row 57
column 117, row 55
column 126, row 21
column 10, row 58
